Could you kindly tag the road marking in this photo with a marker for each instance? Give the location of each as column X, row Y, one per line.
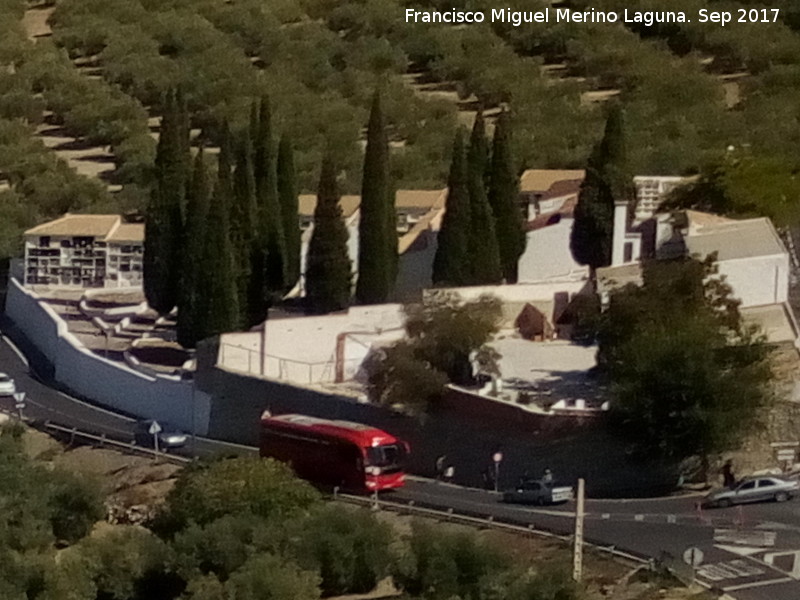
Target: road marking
column 733, row 569
column 770, row 557
column 638, row 517
column 745, row 538
column 740, row 550
column 744, row 586
column 16, row 350
column 671, row 519
column 605, row 516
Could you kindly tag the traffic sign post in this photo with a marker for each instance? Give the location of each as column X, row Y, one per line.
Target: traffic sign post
column 694, row 558
column 19, row 403
column 497, row 458
column 154, row 430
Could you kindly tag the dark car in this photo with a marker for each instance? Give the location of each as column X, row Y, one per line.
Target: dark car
column 534, row 491
column 169, row 436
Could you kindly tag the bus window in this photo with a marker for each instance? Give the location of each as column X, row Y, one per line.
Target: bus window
column 386, row 457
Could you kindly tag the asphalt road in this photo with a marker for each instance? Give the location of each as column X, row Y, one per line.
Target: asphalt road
column 750, row 552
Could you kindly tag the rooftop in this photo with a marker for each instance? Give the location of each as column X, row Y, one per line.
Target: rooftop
column 733, row 239
column 100, row 226
column 541, row 180
column 410, row 200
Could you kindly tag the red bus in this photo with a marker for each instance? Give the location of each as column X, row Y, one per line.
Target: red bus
column 338, row 453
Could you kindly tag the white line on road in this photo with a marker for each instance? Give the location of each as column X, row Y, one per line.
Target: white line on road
column 744, row 586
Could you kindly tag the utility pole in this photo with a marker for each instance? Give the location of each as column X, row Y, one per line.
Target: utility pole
column 577, row 555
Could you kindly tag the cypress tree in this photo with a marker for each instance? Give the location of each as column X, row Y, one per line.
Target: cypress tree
column 163, row 224
column 287, row 193
column 377, row 230
column 504, row 200
column 271, row 236
column 451, row 262
column 190, row 308
column 220, row 303
column 482, row 244
column 243, row 222
column 328, row 267
column 607, row 179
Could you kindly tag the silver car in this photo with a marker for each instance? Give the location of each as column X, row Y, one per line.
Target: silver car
column 7, row 387
column 754, row 489
column 534, row 491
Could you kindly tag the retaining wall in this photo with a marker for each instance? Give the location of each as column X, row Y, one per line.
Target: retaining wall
column 104, row 382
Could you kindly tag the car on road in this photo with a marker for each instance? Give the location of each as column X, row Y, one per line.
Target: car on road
column 753, row 489
column 535, row 491
column 7, row 386
column 169, row 437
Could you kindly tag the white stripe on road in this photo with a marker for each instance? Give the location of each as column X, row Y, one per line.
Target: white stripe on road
column 744, row 586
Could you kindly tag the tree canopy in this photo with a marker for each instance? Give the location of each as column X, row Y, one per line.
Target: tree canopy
column 688, row 377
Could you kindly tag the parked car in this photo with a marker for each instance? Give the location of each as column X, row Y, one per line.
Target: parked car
column 534, row 491
column 753, row 489
column 7, row 387
column 169, row 436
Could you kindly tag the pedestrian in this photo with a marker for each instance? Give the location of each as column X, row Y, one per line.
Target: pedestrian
column 547, row 477
column 440, row 466
column 728, row 478
column 449, row 473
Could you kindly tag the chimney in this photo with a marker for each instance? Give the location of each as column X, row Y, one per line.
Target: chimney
column 620, row 229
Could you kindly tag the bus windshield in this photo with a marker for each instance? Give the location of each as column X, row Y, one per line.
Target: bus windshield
column 388, row 456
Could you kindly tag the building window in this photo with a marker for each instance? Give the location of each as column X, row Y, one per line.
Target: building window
column 44, row 241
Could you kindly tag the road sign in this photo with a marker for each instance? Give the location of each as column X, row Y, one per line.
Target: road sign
column 19, row 397
column 154, row 428
column 497, row 457
column 786, row 454
column 693, row 557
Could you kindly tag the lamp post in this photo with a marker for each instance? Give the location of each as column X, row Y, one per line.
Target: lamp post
column 497, row 458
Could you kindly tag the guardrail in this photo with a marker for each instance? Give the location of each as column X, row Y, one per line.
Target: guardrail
column 484, row 522
column 102, row 440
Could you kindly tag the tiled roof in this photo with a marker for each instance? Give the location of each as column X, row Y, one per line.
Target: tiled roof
column 541, row 180
column 77, row 225
column 308, row 202
column 127, row 232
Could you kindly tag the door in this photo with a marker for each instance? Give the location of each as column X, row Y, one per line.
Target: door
column 767, row 489
column 746, row 492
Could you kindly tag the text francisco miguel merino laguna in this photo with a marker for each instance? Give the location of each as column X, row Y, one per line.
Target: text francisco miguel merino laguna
column 565, row 15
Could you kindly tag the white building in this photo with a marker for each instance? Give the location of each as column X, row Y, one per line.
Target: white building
column 651, row 191
column 84, row 251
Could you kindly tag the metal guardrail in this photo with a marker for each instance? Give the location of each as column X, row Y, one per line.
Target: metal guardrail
column 103, row 440
column 487, row 522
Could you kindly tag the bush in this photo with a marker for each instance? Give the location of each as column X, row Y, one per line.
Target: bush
column 263, row 487
column 350, row 550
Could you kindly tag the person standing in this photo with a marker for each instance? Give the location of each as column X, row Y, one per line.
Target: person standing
column 547, row 476
column 440, row 466
column 728, row 478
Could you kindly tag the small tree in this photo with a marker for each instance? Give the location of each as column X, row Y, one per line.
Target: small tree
column 504, row 200
column 484, row 256
column 287, row 191
column 263, row 487
column 444, row 334
column 163, row 224
column 328, row 267
column 218, row 279
column 451, row 264
column 688, row 378
column 377, row 237
column 191, row 297
column 607, row 180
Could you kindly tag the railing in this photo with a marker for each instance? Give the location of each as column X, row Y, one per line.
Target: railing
column 480, row 521
column 232, row 357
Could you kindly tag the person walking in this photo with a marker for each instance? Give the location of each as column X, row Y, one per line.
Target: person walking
column 547, row 477
column 440, row 466
column 449, row 473
column 728, row 478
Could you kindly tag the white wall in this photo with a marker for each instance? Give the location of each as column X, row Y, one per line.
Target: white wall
column 415, row 268
column 547, row 254
column 520, row 292
column 303, row 349
column 102, row 381
column 758, row 280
